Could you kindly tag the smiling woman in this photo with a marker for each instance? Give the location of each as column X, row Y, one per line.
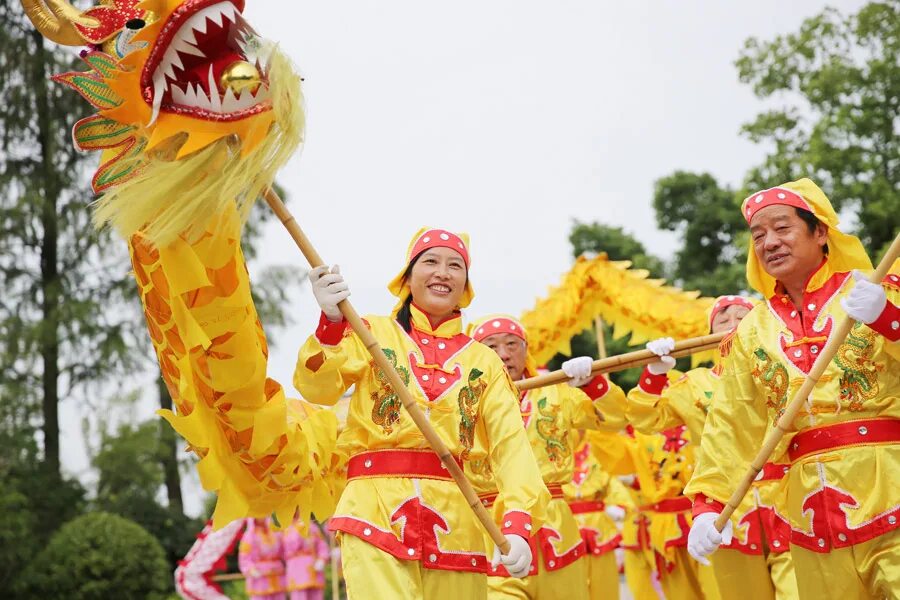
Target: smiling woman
column 401, row 510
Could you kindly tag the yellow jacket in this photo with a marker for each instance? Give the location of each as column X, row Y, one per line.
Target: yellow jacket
column 843, row 452
column 656, row 405
column 552, row 415
column 464, row 391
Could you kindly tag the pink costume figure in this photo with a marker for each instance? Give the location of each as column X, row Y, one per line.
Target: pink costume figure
column 305, row 558
column 259, row 558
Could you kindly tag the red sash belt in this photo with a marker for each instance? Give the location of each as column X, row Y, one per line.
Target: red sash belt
column 670, row 505
column 414, row 464
column 488, row 499
column 773, row 472
column 862, row 432
column 586, row 506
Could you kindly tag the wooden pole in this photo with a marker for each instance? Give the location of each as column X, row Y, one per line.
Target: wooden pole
column 837, row 337
column 628, row 360
column 374, row 348
column 228, row 577
column 599, row 329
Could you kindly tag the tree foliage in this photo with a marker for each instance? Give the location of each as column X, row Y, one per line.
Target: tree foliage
column 95, row 557
column 835, row 90
column 713, row 232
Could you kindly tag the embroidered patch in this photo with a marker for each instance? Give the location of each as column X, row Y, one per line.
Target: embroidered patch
column 385, row 401
column 555, row 441
column 859, row 381
column 773, row 376
column 467, row 400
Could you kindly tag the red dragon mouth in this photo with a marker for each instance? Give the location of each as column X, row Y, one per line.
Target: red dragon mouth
column 197, row 43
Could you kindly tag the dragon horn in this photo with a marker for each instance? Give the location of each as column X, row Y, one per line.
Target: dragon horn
column 56, row 20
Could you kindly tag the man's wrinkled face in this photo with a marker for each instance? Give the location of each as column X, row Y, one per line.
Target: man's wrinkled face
column 785, row 247
column 512, row 350
column 728, row 318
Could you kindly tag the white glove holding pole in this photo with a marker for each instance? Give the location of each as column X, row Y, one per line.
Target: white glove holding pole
column 866, row 301
column 661, row 347
column 704, row 538
column 518, row 560
column 578, row 370
column 329, row 288
column 614, row 512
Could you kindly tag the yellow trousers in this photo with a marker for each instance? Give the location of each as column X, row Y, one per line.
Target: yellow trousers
column 372, row 573
column 639, row 575
column 603, row 577
column 689, row 580
column 754, row 577
column 867, row 570
column 562, row 584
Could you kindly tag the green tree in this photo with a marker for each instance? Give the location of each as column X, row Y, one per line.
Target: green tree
column 63, row 321
column 130, row 476
column 96, row 556
column 835, row 84
column 713, row 233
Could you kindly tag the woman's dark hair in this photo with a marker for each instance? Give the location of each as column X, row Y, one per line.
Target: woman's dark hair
column 404, row 315
column 812, row 223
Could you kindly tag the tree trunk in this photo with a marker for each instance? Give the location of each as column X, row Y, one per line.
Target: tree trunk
column 168, row 453
column 50, row 284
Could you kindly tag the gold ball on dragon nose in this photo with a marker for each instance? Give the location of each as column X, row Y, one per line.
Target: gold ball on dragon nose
column 240, row 76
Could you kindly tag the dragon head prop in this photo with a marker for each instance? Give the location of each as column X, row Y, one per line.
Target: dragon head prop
column 194, row 110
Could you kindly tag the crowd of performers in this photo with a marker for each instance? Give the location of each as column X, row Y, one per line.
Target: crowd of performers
column 594, row 469
column 283, row 563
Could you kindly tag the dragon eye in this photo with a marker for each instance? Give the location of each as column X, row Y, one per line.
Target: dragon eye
column 135, row 24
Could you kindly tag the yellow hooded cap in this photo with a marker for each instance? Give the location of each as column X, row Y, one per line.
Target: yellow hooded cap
column 424, row 239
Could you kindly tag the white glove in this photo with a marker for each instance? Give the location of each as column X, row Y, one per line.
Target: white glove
column 578, row 370
column 661, row 347
column 319, row 565
column 518, row 561
column 329, row 288
column 616, row 513
column 866, row 300
column 627, row 480
column 704, row 539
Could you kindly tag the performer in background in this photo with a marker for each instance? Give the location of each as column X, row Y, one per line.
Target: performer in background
column 405, row 529
column 844, row 455
column 551, row 416
column 757, row 562
column 306, row 556
column 259, row 558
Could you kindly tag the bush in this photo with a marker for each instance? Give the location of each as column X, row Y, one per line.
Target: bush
column 98, row 556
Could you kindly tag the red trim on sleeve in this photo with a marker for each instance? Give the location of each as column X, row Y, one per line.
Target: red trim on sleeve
column 596, row 387
column 328, row 332
column 705, row 504
column 888, row 322
column 517, row 522
column 652, row 384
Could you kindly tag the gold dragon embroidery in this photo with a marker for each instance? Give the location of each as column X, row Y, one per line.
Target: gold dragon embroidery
column 859, row 381
column 467, row 400
column 556, row 442
column 385, row 401
column 773, row 376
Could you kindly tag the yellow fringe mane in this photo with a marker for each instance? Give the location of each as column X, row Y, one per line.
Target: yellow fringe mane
column 171, row 198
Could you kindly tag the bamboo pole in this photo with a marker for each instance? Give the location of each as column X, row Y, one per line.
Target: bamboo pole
column 628, row 360
column 228, row 577
column 837, row 337
column 374, row 348
column 600, row 330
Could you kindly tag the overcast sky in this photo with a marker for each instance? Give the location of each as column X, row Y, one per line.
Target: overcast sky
column 505, row 119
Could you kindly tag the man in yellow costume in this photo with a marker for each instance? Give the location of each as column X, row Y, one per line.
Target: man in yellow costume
column 756, row 564
column 406, row 531
column 843, row 502
column 551, row 415
column 598, row 500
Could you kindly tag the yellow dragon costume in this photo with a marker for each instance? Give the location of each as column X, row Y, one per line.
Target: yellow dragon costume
column 195, row 115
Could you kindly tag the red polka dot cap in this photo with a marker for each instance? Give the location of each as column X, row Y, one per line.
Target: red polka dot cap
column 425, row 239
